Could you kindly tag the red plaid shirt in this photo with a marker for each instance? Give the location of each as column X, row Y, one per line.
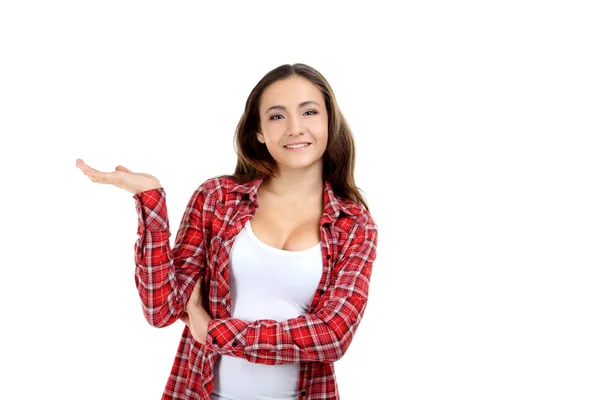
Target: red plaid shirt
column 215, row 214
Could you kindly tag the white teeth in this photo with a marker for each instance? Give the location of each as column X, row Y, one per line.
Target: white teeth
column 296, row 146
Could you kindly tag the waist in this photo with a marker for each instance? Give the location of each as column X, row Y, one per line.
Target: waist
column 236, row 378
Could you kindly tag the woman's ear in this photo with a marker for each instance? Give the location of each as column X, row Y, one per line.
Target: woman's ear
column 260, row 137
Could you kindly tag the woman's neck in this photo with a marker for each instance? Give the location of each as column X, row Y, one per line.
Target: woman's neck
column 295, row 185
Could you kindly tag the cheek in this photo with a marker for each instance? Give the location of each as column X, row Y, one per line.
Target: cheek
column 324, row 133
column 272, row 143
column 271, row 140
column 317, row 127
column 324, row 126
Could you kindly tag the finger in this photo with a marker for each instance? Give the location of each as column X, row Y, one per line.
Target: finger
column 123, row 169
column 98, row 176
column 88, row 171
column 79, row 163
column 103, row 177
column 196, row 294
column 185, row 318
column 112, row 178
column 85, row 168
column 196, row 288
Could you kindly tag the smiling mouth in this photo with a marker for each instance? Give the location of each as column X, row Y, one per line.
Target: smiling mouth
column 297, row 146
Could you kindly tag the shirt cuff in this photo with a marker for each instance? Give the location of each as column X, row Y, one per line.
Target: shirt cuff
column 151, row 207
column 227, row 336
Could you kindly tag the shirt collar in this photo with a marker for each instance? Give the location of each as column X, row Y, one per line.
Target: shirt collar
column 332, row 203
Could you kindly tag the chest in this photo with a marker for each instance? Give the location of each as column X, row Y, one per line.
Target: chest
column 297, row 230
column 287, row 228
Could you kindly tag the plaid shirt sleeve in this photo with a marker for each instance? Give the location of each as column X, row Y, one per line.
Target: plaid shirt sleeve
column 320, row 336
column 165, row 278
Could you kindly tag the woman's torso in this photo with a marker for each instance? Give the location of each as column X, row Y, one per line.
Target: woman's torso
column 275, row 269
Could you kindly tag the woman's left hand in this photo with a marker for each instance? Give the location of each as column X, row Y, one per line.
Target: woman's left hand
column 195, row 316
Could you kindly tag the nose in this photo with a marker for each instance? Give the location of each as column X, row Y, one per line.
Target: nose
column 295, row 126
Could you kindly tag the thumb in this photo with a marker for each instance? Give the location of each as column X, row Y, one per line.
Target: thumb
column 122, row 169
column 185, row 318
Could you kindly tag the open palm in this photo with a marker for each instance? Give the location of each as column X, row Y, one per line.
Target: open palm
column 133, row 182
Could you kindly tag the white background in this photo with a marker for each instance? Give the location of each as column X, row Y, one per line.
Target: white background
column 477, row 127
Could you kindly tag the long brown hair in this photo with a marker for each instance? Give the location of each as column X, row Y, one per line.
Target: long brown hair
column 339, row 157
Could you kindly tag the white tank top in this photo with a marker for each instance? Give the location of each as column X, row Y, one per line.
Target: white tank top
column 265, row 283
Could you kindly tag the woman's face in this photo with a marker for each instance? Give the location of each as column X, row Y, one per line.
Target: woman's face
column 292, row 111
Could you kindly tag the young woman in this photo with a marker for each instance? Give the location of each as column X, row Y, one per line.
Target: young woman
column 271, row 265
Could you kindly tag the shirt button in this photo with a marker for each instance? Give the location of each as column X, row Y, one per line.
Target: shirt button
column 214, row 341
column 235, row 342
column 322, row 292
column 303, row 392
column 328, row 256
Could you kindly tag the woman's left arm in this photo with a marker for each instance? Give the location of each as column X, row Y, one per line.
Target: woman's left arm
column 320, row 336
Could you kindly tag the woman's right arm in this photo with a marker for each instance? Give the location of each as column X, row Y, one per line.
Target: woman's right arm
column 164, row 277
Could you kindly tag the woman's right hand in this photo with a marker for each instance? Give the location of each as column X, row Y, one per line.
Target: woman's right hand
column 133, row 182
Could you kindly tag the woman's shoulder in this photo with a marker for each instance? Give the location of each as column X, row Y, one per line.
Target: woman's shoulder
column 218, row 187
column 217, row 183
column 354, row 215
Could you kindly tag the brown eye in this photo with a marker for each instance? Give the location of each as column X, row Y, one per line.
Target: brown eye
column 275, row 116
column 311, row 111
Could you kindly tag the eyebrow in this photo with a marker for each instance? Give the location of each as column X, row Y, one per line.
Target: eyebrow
column 304, row 103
